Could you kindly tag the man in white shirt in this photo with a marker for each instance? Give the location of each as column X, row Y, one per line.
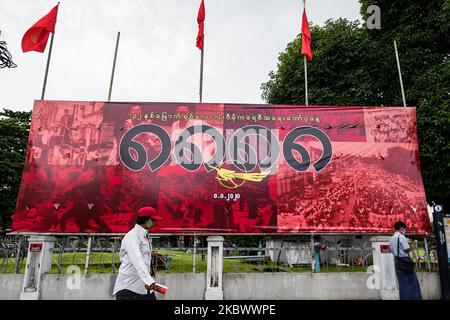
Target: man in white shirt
column 136, row 280
column 409, row 287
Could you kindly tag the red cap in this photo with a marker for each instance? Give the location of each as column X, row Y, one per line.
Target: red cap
column 148, row 212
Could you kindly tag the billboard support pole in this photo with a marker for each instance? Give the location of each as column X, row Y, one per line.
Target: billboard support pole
column 441, row 222
column 39, row 261
column 48, row 65
column 312, row 253
column 194, row 254
column 88, row 255
column 201, row 73
column 400, row 74
column 214, row 287
column 306, row 80
column 18, row 255
column 384, row 267
column 427, row 254
column 113, row 67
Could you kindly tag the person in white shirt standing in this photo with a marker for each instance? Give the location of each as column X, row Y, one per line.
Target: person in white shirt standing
column 409, row 287
column 136, row 279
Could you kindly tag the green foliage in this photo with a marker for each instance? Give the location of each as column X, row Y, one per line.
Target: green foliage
column 334, row 77
column 421, row 29
column 356, row 66
column 433, row 115
column 245, row 241
column 14, row 131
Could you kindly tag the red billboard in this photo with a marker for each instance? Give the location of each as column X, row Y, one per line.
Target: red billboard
column 221, row 168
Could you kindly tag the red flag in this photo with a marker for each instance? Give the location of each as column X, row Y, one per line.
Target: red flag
column 200, row 21
column 306, row 37
column 35, row 39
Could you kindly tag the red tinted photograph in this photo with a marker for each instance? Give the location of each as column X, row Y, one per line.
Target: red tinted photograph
column 214, row 168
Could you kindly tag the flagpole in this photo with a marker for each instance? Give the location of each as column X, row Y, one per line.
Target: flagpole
column 113, row 67
column 201, row 72
column 48, row 64
column 306, row 80
column 201, row 43
column 48, row 60
column 400, row 74
column 306, row 69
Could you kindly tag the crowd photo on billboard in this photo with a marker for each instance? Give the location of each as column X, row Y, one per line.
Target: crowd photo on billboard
column 91, row 165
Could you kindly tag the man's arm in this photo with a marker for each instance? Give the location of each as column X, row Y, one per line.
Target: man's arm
column 136, row 258
column 405, row 245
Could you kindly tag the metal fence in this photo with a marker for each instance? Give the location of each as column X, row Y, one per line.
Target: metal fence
column 100, row 254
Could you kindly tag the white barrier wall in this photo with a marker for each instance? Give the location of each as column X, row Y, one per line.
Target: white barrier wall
column 236, row 286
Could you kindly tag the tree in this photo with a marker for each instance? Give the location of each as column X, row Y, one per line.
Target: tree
column 14, row 132
column 335, row 77
column 432, row 91
column 421, row 29
column 356, row 66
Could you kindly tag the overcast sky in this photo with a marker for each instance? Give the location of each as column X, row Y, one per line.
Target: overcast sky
column 157, row 59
